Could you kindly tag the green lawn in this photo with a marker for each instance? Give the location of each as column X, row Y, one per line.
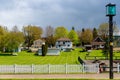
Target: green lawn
column 30, row 58
column 52, row 79
column 56, row 79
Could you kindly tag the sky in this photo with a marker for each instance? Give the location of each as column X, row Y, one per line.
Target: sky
column 67, row 13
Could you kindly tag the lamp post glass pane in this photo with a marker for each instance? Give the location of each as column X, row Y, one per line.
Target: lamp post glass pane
column 111, row 10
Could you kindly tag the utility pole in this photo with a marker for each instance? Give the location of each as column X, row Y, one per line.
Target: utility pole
column 111, row 11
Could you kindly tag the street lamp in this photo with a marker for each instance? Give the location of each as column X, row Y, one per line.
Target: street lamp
column 110, row 9
column 110, row 12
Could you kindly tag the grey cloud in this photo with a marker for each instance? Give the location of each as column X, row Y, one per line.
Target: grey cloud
column 68, row 13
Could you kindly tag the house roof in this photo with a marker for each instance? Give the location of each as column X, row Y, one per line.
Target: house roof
column 64, row 39
column 98, row 41
column 39, row 40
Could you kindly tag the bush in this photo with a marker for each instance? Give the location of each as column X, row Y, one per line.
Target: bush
column 29, row 50
column 36, row 53
column 44, row 49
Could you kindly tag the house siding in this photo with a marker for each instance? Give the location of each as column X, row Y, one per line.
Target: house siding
column 65, row 43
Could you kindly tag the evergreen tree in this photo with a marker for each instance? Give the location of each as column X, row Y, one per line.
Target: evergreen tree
column 95, row 33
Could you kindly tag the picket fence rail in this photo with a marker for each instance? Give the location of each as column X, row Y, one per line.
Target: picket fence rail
column 48, row 68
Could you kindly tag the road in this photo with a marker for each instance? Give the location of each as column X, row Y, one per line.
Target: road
column 57, row 76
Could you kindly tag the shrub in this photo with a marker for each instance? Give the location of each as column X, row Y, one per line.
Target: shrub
column 36, row 53
column 44, row 49
column 29, row 50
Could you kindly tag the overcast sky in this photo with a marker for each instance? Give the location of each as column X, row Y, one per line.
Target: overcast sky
column 67, row 13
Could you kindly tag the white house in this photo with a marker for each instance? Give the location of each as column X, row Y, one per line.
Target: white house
column 64, row 43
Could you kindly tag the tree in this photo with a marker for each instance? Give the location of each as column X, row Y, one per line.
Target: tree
column 83, row 30
column 44, row 49
column 61, row 32
column 3, row 36
column 51, row 40
column 81, row 36
column 49, row 31
column 95, row 33
column 31, row 33
column 73, row 36
column 15, row 29
column 14, row 39
column 104, row 30
column 36, row 32
column 106, row 48
column 87, row 36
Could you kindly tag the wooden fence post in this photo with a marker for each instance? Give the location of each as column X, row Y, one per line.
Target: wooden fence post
column 83, row 68
column 32, row 68
column 118, row 67
column 66, row 68
column 14, row 68
column 49, row 68
column 98, row 68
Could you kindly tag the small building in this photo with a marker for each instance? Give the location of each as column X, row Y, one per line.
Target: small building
column 64, row 43
column 98, row 43
column 50, row 52
column 88, row 47
column 37, row 43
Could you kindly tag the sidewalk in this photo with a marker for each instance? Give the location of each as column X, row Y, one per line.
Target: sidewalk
column 58, row 76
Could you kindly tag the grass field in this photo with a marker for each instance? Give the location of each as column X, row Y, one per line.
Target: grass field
column 49, row 79
column 63, row 58
column 55, row 79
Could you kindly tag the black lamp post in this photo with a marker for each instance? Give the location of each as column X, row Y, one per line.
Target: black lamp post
column 110, row 12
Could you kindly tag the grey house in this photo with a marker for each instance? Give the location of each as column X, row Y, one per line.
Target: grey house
column 64, row 43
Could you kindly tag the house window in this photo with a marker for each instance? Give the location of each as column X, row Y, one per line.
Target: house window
column 63, row 42
column 68, row 45
column 59, row 45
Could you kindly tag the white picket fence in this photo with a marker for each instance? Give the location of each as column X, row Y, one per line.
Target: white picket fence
column 67, row 68
column 118, row 68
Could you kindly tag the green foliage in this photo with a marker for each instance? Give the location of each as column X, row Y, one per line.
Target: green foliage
column 103, row 30
column 51, row 40
column 44, row 49
column 95, row 33
column 13, row 39
column 31, row 33
column 10, row 40
column 106, row 48
column 3, row 33
column 87, row 36
column 74, row 37
column 61, row 32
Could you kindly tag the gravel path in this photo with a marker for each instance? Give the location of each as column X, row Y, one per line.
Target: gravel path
column 56, row 76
